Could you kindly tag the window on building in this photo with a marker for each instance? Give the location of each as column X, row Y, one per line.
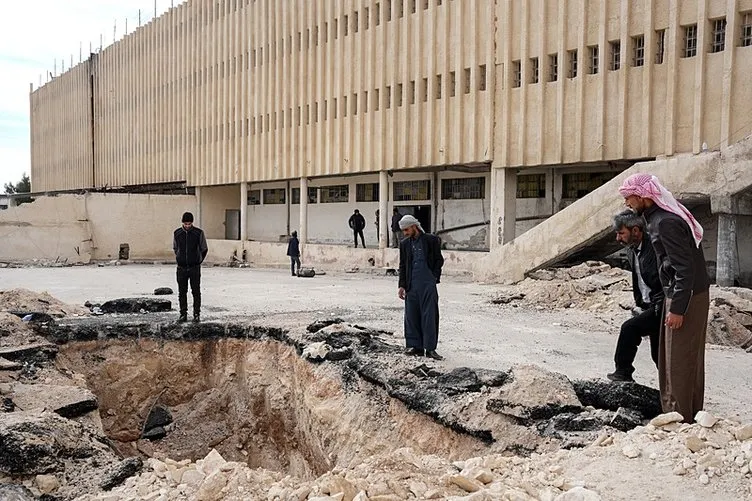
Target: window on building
column 254, row 197
column 354, row 104
column 355, row 22
column 577, row 185
column 452, row 84
column 534, row 70
column 315, row 112
column 388, row 97
column 572, row 70
column 405, row 191
column 482, row 77
column 312, row 196
column 718, row 40
column 463, row 188
column 364, row 98
column 335, row 29
column 437, row 87
column 660, row 45
column 334, row 194
column 424, row 90
column 553, row 67
column 366, row 20
column 334, row 107
column 615, row 62
column 638, row 50
column 345, row 25
column 344, row 106
column 516, row 73
column 367, row 192
column 746, row 29
column 376, row 99
column 399, row 95
column 690, row 41
column 388, row 6
column 274, row 196
column 412, row 6
column 400, row 8
column 377, row 14
column 411, row 91
column 466, row 80
column 531, row 186
column 593, row 59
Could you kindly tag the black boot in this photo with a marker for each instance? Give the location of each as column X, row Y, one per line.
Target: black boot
column 414, row 352
column 183, row 317
column 434, row 355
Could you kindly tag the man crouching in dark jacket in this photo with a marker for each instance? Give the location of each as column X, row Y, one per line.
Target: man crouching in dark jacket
column 189, row 244
column 419, row 272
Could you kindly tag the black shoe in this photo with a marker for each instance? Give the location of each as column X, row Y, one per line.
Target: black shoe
column 620, row 377
column 196, row 318
column 434, row 355
column 413, row 352
column 183, row 317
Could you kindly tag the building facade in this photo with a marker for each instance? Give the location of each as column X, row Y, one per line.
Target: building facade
column 482, row 117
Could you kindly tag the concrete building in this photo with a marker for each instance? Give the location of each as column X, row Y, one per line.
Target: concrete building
column 482, row 117
column 5, row 202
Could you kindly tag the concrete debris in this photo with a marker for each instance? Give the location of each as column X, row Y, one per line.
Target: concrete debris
column 123, row 470
column 666, row 419
column 705, row 419
column 15, row 492
column 163, row 291
column 67, row 401
column 47, row 484
column 306, row 273
column 136, row 305
column 24, row 300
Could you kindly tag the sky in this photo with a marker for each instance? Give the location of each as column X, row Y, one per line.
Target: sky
column 34, row 35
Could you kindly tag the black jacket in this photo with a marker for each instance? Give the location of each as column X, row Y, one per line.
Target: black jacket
column 434, row 259
column 395, row 222
column 681, row 263
column 357, row 222
column 293, row 247
column 189, row 246
column 649, row 273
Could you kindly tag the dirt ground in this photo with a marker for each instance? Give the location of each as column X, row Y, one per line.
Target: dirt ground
column 575, row 341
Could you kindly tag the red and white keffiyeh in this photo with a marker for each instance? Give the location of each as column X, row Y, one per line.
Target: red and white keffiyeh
column 648, row 186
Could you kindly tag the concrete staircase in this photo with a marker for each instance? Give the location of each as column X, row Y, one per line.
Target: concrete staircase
column 583, row 229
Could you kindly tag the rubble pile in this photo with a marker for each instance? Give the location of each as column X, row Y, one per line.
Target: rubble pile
column 714, row 454
column 730, row 317
column 591, row 285
column 26, row 301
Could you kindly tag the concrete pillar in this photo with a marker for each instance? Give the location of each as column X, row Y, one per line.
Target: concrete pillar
column 558, row 190
column 503, row 206
column 384, row 217
column 303, row 231
column 197, row 216
column 727, row 260
column 243, row 211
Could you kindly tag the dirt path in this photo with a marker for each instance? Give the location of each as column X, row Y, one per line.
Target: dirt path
column 474, row 332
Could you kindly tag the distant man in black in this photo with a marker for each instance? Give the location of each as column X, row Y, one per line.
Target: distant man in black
column 357, row 223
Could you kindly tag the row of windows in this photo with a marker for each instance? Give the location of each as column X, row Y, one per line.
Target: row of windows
column 451, row 189
column 574, row 185
column 637, row 50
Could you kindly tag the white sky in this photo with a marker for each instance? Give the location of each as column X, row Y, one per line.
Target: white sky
column 36, row 33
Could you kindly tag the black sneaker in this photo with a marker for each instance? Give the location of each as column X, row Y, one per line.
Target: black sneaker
column 434, row 355
column 413, row 352
column 183, row 317
column 620, row 377
column 196, row 318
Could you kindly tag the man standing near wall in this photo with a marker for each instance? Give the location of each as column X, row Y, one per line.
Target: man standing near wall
column 676, row 236
column 395, row 228
column 293, row 250
column 357, row 222
column 189, row 244
column 648, row 295
column 419, row 272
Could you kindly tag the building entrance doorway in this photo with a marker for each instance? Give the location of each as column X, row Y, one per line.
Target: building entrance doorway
column 421, row 212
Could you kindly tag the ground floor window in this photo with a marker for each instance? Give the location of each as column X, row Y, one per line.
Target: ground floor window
column 579, row 184
column 312, row 196
column 335, row 194
column 531, row 186
column 411, row 190
column 274, row 196
column 254, row 197
column 463, row 188
column 367, row 192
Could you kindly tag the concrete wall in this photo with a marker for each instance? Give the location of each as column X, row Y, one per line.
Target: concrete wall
column 215, row 201
column 80, row 228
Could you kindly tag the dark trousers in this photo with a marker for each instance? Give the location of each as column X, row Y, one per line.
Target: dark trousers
column 293, row 261
column 362, row 239
column 422, row 317
column 193, row 275
column 396, row 239
column 647, row 323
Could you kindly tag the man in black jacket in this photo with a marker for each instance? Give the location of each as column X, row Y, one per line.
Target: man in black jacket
column 189, row 244
column 419, row 272
column 648, row 295
column 293, row 250
column 396, row 232
column 357, row 222
column 676, row 236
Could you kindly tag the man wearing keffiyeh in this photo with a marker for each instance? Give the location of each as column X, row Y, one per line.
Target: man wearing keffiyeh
column 676, row 236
